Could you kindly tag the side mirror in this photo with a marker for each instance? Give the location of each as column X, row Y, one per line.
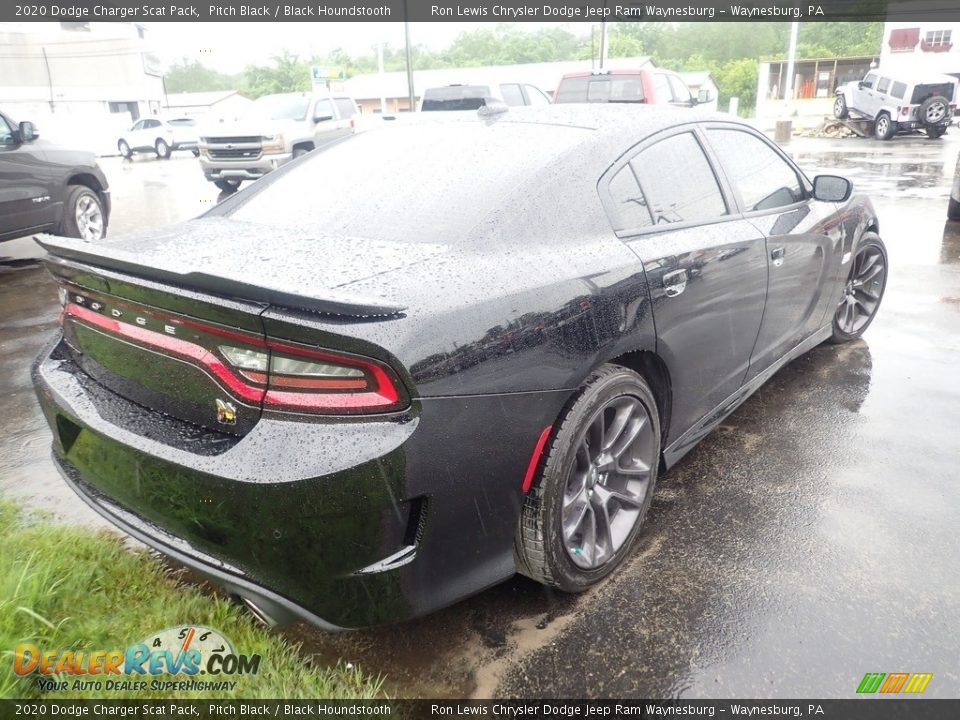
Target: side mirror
column 28, row 133
column 704, row 96
column 832, row 188
column 860, row 84
column 322, row 118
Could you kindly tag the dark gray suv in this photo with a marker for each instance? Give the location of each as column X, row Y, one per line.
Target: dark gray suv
column 47, row 188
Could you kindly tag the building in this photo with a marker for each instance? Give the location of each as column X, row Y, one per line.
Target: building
column 78, row 80
column 368, row 89
column 931, row 47
column 219, row 104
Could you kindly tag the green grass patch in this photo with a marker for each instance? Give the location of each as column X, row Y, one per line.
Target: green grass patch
column 69, row 589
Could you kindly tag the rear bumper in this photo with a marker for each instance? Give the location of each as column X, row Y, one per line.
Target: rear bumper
column 342, row 524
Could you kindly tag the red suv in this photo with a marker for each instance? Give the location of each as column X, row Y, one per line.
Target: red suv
column 650, row 86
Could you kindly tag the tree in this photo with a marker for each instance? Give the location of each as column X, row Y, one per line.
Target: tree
column 191, row 76
column 288, row 74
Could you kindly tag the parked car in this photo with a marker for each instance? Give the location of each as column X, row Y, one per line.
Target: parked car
column 473, row 96
column 277, row 129
column 648, row 86
column 898, row 102
column 354, row 397
column 48, row 188
column 162, row 136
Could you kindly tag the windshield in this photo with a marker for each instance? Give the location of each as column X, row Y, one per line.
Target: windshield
column 922, row 92
column 281, row 107
column 455, row 97
column 601, row 88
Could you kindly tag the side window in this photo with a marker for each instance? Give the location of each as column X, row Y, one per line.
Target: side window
column 138, row 125
column 6, row 133
column 661, row 86
column 681, row 93
column 323, row 108
column 678, row 182
column 899, row 90
column 512, row 94
column 535, row 96
column 151, row 124
column 870, row 81
column 883, row 85
column 764, row 179
column 629, row 208
column 345, row 106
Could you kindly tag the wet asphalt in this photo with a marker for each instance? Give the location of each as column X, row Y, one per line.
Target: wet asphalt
column 810, row 539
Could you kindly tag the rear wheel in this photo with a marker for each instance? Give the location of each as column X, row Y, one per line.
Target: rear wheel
column 953, row 209
column 83, row 215
column 580, row 521
column 162, row 148
column 884, row 128
column 124, row 149
column 228, row 185
column 863, row 292
column 840, row 108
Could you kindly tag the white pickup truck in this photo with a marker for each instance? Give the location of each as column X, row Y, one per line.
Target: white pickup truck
column 277, row 129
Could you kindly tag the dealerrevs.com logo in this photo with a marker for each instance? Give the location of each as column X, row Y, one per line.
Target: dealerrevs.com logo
column 170, row 660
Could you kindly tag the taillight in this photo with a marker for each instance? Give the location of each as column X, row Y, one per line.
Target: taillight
column 905, row 110
column 298, row 378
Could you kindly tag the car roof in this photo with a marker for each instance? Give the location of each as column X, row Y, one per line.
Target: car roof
column 617, row 71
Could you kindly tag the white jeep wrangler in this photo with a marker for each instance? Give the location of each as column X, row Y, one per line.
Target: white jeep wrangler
column 898, row 103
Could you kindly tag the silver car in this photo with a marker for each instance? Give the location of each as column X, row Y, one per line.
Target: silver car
column 898, row 103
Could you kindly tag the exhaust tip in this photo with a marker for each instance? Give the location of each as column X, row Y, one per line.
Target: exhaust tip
column 262, row 616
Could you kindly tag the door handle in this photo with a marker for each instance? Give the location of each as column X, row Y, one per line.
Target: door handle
column 777, row 255
column 675, row 282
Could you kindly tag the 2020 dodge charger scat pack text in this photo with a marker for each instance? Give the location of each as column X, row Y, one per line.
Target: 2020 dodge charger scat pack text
column 423, row 358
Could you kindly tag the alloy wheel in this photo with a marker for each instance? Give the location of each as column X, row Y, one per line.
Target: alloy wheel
column 608, row 484
column 863, row 291
column 89, row 218
column 935, row 113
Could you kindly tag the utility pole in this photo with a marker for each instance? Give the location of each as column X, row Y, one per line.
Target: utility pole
column 603, row 43
column 383, row 99
column 406, row 43
column 791, row 59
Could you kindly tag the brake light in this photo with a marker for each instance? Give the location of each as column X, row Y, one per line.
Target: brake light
column 905, row 110
column 280, row 375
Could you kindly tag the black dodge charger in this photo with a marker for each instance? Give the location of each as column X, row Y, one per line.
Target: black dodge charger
column 424, row 358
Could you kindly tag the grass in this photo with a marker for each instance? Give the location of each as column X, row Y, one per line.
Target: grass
column 66, row 588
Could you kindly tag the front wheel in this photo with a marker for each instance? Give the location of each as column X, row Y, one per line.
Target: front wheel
column 124, row 149
column 580, row 521
column 863, row 292
column 83, row 215
column 884, row 128
column 840, row 108
column 228, row 186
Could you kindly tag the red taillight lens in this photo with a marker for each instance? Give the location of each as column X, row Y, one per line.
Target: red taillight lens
column 905, row 110
column 316, row 381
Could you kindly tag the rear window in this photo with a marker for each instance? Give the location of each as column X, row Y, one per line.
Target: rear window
column 436, row 181
column 455, row 97
column 182, row 122
column 922, row 92
column 601, row 88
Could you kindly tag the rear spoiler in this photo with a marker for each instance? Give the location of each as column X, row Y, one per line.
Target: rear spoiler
column 66, row 251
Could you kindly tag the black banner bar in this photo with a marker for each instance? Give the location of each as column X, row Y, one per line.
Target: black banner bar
column 478, row 10
column 874, row 708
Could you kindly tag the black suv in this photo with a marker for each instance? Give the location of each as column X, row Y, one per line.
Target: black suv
column 46, row 188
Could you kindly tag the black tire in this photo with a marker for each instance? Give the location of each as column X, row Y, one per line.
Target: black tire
column 869, row 243
column 935, row 131
column 933, row 110
column 953, row 209
column 840, row 110
column 196, row 153
column 124, row 149
column 300, row 151
column 229, row 186
column 539, row 546
column 884, row 128
column 164, row 151
column 83, row 215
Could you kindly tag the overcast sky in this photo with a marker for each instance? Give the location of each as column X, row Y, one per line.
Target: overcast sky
column 230, row 46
